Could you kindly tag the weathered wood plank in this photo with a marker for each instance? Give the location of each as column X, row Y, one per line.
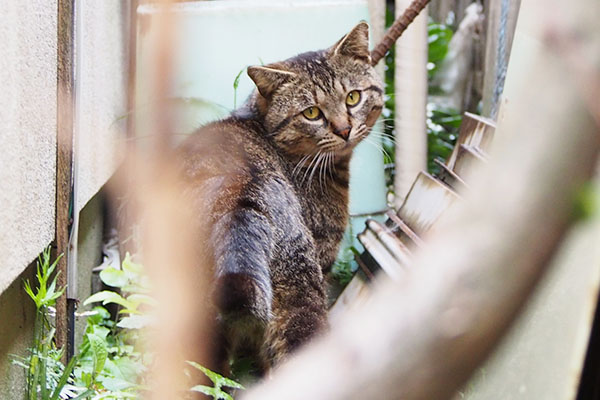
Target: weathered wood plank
column 427, row 200
column 64, row 157
column 403, row 231
column 467, row 158
column 450, row 178
column 354, row 294
column 475, row 131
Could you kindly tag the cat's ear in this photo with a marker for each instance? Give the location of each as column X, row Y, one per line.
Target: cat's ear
column 355, row 44
column 269, row 77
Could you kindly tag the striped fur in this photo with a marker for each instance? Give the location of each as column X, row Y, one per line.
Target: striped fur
column 272, row 189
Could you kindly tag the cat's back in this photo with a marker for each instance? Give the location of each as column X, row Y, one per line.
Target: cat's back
column 230, row 164
column 222, row 147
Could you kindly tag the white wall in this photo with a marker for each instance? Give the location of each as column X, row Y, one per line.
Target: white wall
column 27, row 132
column 28, row 70
column 103, row 92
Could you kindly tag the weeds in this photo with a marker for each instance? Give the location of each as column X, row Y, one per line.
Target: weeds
column 47, row 377
column 109, row 363
column 219, row 382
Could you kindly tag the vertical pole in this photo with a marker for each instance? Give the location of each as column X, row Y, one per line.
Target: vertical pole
column 131, row 78
column 377, row 16
column 64, row 157
column 411, row 101
column 440, row 9
column 501, row 16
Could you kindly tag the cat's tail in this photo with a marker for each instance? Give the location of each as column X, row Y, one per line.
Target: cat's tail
column 242, row 243
column 242, row 294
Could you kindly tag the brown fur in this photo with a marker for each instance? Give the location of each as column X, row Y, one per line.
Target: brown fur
column 274, row 185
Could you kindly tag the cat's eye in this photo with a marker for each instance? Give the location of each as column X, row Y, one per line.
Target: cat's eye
column 312, row 113
column 353, row 98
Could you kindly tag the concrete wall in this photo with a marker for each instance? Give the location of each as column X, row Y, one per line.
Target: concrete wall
column 102, row 92
column 27, row 132
column 28, row 117
column 17, row 314
column 28, row 73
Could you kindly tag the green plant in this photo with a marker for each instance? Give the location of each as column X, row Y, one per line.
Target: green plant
column 134, row 285
column 110, row 363
column 236, row 83
column 389, row 110
column 344, row 266
column 47, row 377
column 219, row 382
column 442, row 131
column 442, row 123
column 438, row 39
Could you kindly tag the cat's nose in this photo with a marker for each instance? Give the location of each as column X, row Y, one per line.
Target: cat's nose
column 344, row 132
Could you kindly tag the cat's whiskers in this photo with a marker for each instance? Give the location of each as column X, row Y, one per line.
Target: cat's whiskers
column 383, row 135
column 321, row 173
column 362, row 132
column 327, row 166
column 310, row 166
column 378, row 146
column 299, row 164
column 315, row 166
column 331, row 164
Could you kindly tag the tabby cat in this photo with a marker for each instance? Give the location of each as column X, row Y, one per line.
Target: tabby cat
column 273, row 179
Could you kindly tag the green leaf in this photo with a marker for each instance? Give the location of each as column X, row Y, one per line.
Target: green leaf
column 84, row 395
column 217, row 379
column 439, row 37
column 106, row 297
column 101, row 316
column 587, row 202
column 142, row 299
column 116, row 384
column 135, row 322
column 230, row 383
column 211, row 391
column 30, row 293
column 51, row 268
column 114, row 277
column 129, row 266
column 128, row 368
column 213, row 376
column 64, row 377
column 99, row 352
column 236, row 83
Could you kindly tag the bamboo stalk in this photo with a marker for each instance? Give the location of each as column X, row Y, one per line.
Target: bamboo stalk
column 410, row 90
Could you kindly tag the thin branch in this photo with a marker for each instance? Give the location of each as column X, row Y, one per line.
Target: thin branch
column 396, row 30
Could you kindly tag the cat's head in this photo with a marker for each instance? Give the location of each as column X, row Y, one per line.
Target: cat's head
column 321, row 101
